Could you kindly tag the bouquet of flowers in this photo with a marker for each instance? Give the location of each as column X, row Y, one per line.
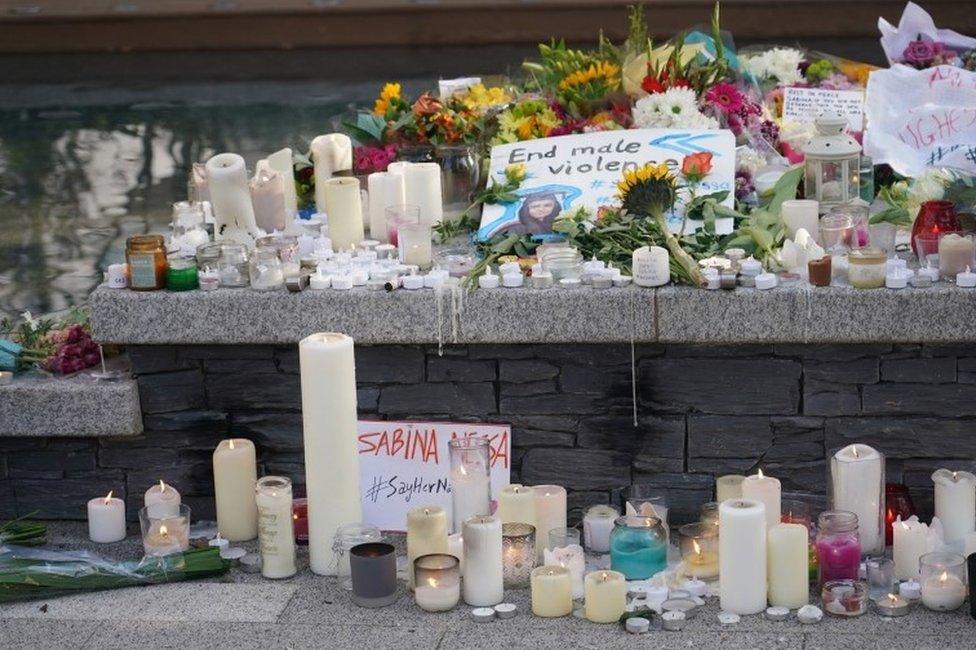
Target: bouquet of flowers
column 60, row 346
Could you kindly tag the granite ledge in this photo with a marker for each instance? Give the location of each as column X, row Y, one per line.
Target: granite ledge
column 673, row 314
column 77, row 407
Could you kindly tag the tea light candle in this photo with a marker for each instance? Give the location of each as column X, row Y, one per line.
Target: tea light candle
column 892, row 606
column 517, row 504
column 488, row 280
column 751, row 266
column 597, row 526
column 910, row 589
column 857, row 482
column 966, row 279
column 513, row 280
column 483, row 583
column 742, row 556
column 637, row 625
column 765, row 281
column 518, row 553
column 777, row 613
column 809, row 614
column 898, row 279
column 695, row 587
column 908, row 545
column 438, row 582
column 606, row 596
column 766, row 490
column 550, row 513
column 426, row 534
column 162, row 501
column 235, row 475
column 673, row 621
column 552, row 592
column 955, row 503
column 728, row 487
column 505, row 611
column 106, row 519
column 787, row 565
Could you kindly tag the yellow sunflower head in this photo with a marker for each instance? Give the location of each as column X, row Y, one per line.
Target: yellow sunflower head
column 648, row 189
column 603, row 71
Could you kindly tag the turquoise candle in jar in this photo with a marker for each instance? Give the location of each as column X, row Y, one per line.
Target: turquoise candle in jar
column 638, row 547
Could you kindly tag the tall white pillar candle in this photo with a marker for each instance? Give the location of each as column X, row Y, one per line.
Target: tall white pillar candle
column 106, row 519
column 422, row 187
column 787, row 554
column 275, row 527
column 606, row 596
column 728, row 487
column 483, row 583
column 235, row 473
column 385, row 189
column 344, row 211
column 765, row 489
column 268, row 198
column 231, row 199
column 330, row 153
column 909, row 542
column 742, row 556
column 550, row 513
column 426, row 534
column 328, row 375
column 281, row 162
column 516, row 505
column 857, row 485
column 162, row 500
column 955, row 503
column 801, row 213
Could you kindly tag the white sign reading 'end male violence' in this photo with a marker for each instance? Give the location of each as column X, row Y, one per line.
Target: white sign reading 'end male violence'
column 407, row 464
column 572, row 171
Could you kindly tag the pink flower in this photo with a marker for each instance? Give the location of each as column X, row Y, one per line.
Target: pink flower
column 921, row 54
column 725, row 97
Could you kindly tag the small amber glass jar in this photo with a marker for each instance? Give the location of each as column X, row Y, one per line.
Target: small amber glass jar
column 146, row 256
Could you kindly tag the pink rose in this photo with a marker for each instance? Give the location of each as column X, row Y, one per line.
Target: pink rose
column 921, row 54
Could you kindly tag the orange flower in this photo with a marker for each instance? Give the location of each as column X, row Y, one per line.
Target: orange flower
column 696, row 166
column 427, row 104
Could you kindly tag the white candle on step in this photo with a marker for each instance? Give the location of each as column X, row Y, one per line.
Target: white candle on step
column 344, row 212
column 787, row 565
column 857, row 485
column 231, row 198
column 235, row 473
column 550, row 513
column 281, row 162
column 426, row 535
column 908, row 544
column 330, row 153
column 483, row 582
column 386, row 189
column 162, row 500
column 955, row 503
column 106, row 519
column 742, row 556
column 328, row 376
column 516, row 505
column 765, row 489
column 422, row 187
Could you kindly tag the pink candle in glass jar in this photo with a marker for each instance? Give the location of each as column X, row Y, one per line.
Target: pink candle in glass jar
column 838, row 546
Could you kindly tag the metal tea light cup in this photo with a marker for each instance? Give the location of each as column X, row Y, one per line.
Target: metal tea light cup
column 373, row 571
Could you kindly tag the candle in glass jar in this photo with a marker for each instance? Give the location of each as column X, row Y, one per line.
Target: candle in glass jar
column 857, row 485
column 438, row 587
column 699, row 549
column 516, row 504
column 426, row 534
column 372, row 568
column 483, row 584
column 415, row 245
column 106, row 519
column 787, row 569
column 943, row 580
column 518, row 553
column 728, row 487
column 550, row 513
column 275, row 527
column 766, row 490
column 955, row 503
column 742, row 556
column 167, row 534
column 956, row 254
column 300, row 518
column 235, row 475
column 564, row 550
column 470, row 479
column 597, row 526
column 606, row 596
column 909, row 539
column 838, row 546
column 552, row 592
column 162, row 500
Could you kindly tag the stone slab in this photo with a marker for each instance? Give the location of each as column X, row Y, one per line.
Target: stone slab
column 69, row 407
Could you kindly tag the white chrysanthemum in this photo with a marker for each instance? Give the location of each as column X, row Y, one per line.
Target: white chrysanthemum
column 749, row 160
column 674, row 108
column 779, row 63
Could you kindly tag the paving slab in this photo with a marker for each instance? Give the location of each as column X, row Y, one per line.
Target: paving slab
column 51, row 635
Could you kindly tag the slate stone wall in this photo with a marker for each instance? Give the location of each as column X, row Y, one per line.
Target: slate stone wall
column 703, row 411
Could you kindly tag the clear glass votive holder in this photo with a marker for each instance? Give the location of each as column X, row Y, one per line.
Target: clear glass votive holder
column 233, row 266
column 470, row 478
column 563, row 537
column 881, row 576
column 926, row 244
column 373, row 573
column 266, row 270
column 397, row 215
column 646, row 501
column 943, row 578
column 437, row 586
column 347, row 536
column 518, row 554
column 835, row 232
column 415, row 244
column 709, row 513
column 699, row 549
column 844, row 597
column 165, row 535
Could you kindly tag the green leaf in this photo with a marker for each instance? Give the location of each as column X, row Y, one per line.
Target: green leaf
column 709, row 213
column 895, row 215
column 785, row 188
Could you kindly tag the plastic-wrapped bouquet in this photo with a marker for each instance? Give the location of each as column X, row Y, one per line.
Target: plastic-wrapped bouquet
column 61, row 346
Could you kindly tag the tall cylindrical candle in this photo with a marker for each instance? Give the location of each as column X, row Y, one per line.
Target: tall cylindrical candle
column 470, row 479
column 765, row 489
column 162, row 500
column 728, row 487
column 328, row 377
column 550, row 513
column 235, row 473
column 385, row 189
column 742, row 556
column 606, row 596
column 422, row 187
column 372, row 568
column 909, row 542
column 231, row 198
column 955, row 503
column 787, row 565
column 552, row 592
column 516, row 504
column 857, row 485
column 801, row 213
column 330, row 153
column 275, row 526
column 426, row 534
column 344, row 212
column 281, row 162
column 483, row 584
column 597, row 526
column 106, row 519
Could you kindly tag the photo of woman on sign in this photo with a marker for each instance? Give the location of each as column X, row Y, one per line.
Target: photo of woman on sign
column 536, row 214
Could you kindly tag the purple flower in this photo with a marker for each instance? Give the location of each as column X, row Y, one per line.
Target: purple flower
column 743, row 185
column 921, row 54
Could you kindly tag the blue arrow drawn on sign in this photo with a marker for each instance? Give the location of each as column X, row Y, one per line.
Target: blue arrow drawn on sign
column 683, row 142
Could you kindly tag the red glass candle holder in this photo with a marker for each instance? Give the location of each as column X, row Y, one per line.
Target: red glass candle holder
column 299, row 513
column 934, row 218
column 898, row 503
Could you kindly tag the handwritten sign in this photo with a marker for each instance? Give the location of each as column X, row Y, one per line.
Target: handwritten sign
column 570, row 171
column 406, row 464
column 922, row 118
column 806, row 104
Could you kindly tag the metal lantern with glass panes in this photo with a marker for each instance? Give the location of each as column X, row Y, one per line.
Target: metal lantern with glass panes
column 832, row 162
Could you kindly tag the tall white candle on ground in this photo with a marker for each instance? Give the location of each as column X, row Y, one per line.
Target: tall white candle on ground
column 330, row 153
column 106, row 519
column 550, row 513
column 231, row 198
column 742, row 556
column 728, row 487
column 235, row 473
column 386, row 189
column 344, row 211
column 857, row 485
column 787, row 554
column 483, row 583
column 908, row 544
column 455, row 547
column 422, row 187
column 955, row 503
column 328, row 374
column 516, row 504
column 765, row 489
column 162, row 500
column 281, row 162
column 801, row 213
column 426, row 534
column 276, row 527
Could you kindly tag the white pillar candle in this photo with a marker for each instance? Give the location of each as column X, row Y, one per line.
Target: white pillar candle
column 552, row 592
column 231, row 199
column 385, row 189
column 426, row 534
column 422, row 187
column 570, row 557
column 162, row 500
column 281, row 162
column 330, row 153
column 106, row 519
column 455, row 547
column 328, row 375
column 969, row 544
column 483, row 581
column 344, row 211
column 235, row 473
column 276, row 527
column 606, row 596
column 801, row 213
column 787, row 565
column 516, row 504
column 909, row 542
column 597, row 526
column 742, row 556
column 550, row 513
column 651, row 266
column 857, row 485
column 268, row 198
column 955, row 503
column 765, row 489
column 728, row 487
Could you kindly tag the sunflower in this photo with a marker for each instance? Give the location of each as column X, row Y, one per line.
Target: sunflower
column 390, row 92
column 647, row 190
column 602, row 72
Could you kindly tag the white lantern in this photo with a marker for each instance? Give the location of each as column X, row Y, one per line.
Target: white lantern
column 832, row 162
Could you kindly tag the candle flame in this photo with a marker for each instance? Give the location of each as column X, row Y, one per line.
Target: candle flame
column 759, row 472
column 944, row 576
column 954, row 476
column 230, row 443
column 294, row 516
column 694, row 543
column 464, row 472
column 892, row 598
column 108, row 497
column 854, row 450
column 604, row 575
column 904, row 525
column 432, row 582
column 162, row 486
column 164, row 531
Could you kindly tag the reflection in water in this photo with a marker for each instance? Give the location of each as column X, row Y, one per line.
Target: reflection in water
column 75, row 184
